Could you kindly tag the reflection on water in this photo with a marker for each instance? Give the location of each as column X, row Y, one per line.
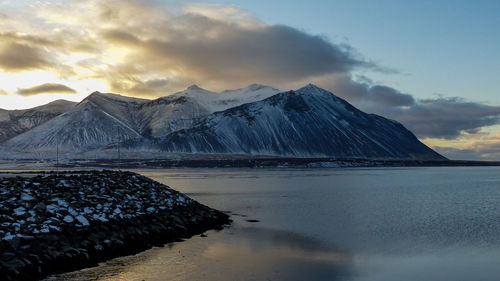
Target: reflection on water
column 330, row 224
column 239, row 253
column 276, row 255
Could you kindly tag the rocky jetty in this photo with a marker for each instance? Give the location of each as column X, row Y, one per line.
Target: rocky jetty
column 52, row 223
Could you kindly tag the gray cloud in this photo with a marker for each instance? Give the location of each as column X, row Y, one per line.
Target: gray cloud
column 488, row 151
column 140, row 88
column 143, row 48
column 390, row 96
column 120, row 36
column 279, row 52
column 366, row 92
column 446, row 117
column 27, row 39
column 219, row 51
column 48, row 88
column 459, row 154
column 18, row 57
column 222, row 54
column 442, row 117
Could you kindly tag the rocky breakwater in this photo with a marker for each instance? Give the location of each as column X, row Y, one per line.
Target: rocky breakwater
column 52, row 223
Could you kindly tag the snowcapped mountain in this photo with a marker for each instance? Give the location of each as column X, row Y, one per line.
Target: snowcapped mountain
column 159, row 117
column 168, row 114
column 84, row 128
column 229, row 98
column 150, row 117
column 125, row 109
column 255, row 121
column 15, row 122
column 104, row 118
column 309, row 122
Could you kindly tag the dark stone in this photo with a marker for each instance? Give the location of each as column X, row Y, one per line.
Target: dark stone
column 14, row 243
column 6, row 256
column 38, row 254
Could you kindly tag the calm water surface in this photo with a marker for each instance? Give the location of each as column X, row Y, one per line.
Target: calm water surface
column 330, row 224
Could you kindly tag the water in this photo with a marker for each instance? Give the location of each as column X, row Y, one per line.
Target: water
column 330, row 224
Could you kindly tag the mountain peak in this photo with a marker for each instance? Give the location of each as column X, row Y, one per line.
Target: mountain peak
column 311, row 89
column 92, row 95
column 60, row 102
column 311, row 86
column 194, row 87
column 98, row 97
column 255, row 87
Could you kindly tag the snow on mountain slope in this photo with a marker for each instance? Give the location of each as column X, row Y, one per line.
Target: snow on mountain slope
column 15, row 122
column 103, row 118
column 150, row 118
column 86, row 127
column 125, row 109
column 309, row 122
column 252, row 93
column 182, row 110
column 168, row 114
column 256, row 120
column 178, row 111
column 229, row 98
column 204, row 97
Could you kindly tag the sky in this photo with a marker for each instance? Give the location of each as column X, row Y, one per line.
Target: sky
column 431, row 65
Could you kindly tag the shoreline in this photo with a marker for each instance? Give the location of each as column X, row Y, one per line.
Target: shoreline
column 266, row 162
column 45, row 230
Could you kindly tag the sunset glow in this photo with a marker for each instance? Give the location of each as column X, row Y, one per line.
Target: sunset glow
column 53, row 50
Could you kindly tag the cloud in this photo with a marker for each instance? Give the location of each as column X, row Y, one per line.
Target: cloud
column 151, row 87
column 442, row 117
column 221, row 55
column 149, row 48
column 473, row 146
column 367, row 92
column 446, row 117
column 48, row 88
column 120, row 36
column 390, row 96
column 219, row 46
column 223, row 12
column 459, row 154
column 15, row 57
column 13, row 36
column 279, row 53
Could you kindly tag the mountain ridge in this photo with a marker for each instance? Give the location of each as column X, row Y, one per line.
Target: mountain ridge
column 18, row 121
column 308, row 122
column 256, row 120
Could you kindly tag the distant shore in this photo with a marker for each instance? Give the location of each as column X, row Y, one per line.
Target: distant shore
column 233, row 162
column 57, row 222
